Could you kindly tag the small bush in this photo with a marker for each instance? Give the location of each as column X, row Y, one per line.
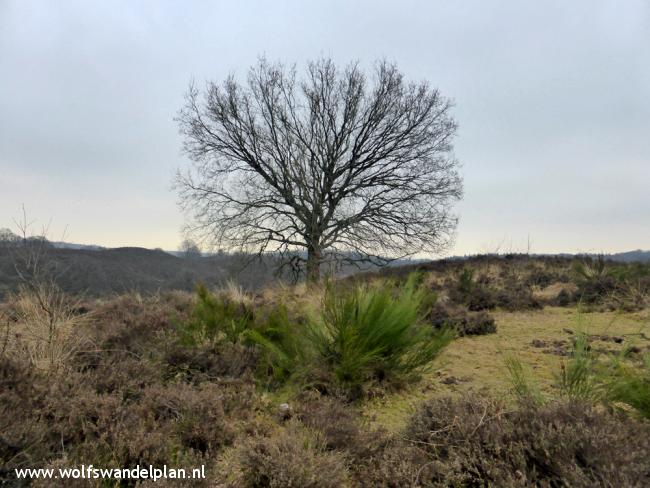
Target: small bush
column 287, row 350
column 363, row 333
column 478, row 442
column 476, row 295
column 516, row 295
column 464, row 323
column 480, row 298
column 43, row 327
column 132, row 323
column 215, row 318
column 577, row 377
column 540, row 277
column 171, row 424
column 290, row 458
column 593, row 279
column 334, row 421
column 205, row 363
column 466, row 282
column 523, row 381
column 563, row 298
column 596, row 290
column 368, row 333
column 629, row 386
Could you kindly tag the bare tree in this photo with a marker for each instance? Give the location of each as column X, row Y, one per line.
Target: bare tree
column 190, row 249
column 332, row 163
column 44, row 318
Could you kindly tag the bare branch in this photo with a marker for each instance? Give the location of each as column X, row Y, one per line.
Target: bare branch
column 326, row 163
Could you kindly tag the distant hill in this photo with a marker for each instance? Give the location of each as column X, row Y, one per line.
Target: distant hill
column 70, row 245
column 621, row 257
column 95, row 271
column 630, row 256
column 119, row 270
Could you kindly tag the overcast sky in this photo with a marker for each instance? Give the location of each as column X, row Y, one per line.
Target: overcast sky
column 552, row 100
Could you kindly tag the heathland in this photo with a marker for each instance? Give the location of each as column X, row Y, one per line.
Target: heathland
column 489, row 371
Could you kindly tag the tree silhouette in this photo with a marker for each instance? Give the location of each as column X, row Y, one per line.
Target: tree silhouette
column 332, row 164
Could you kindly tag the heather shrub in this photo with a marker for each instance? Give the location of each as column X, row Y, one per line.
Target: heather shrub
column 119, row 373
column 20, row 439
column 480, row 298
column 290, row 458
column 516, row 295
column 466, row 281
column 174, row 424
column 624, row 286
column 593, row 279
column 393, row 463
column 510, row 291
column 132, row 324
column 540, row 277
column 334, row 421
column 463, row 322
column 205, row 362
column 128, row 396
column 474, row 294
column 479, row 442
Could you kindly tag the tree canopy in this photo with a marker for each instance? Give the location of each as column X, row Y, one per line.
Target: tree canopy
column 334, row 163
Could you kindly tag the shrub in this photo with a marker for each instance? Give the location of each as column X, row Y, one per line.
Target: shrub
column 478, row 442
column 516, row 295
column 595, row 290
column 593, row 279
column 540, row 277
column 523, row 381
column 132, row 396
column 334, row 421
column 21, row 439
column 132, row 323
column 466, row 281
column 464, row 323
column 215, row 318
column 205, row 363
column 510, row 291
column 369, row 333
column 563, row 298
column 287, row 350
column 289, row 458
column 630, row 386
column 480, row 298
column 476, row 295
column 173, row 424
column 577, row 377
column 43, row 327
column 363, row 333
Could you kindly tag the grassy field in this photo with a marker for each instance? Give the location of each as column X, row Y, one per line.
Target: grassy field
column 539, row 338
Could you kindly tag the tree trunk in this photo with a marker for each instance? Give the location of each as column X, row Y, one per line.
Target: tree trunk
column 314, row 258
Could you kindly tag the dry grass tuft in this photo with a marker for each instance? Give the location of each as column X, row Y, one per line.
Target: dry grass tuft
column 43, row 327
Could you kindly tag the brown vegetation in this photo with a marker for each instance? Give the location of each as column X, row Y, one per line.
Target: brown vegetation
column 130, row 389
